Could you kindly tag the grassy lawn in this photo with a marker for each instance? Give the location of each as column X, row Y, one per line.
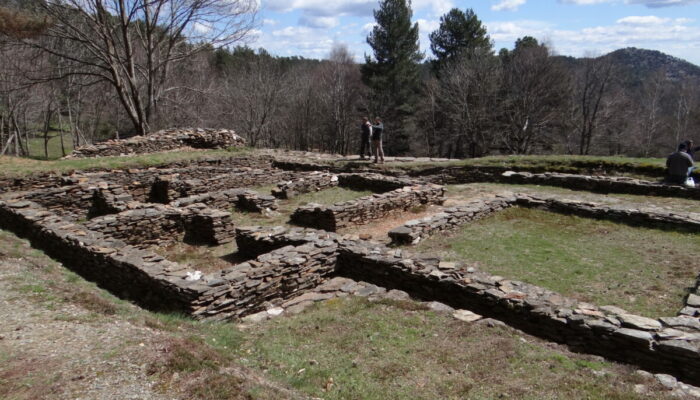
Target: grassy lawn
column 355, row 349
column 36, row 147
column 340, row 349
column 628, row 166
column 16, row 166
column 458, row 192
column 642, row 270
column 287, row 207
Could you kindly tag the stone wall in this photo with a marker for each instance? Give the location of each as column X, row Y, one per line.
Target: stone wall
column 168, row 188
column 268, row 280
column 253, row 241
column 148, row 225
column 124, row 270
column 159, row 284
column 366, row 209
column 170, row 139
column 599, row 184
column 412, row 232
column 243, row 199
column 308, row 183
column 670, row 345
column 689, row 222
column 376, row 183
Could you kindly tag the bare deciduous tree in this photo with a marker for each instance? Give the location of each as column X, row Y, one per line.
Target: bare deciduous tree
column 131, row 44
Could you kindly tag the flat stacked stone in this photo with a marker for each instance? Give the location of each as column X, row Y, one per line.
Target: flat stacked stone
column 145, row 225
column 170, row 187
column 169, row 139
column 669, row 344
column 243, row 199
column 368, row 208
column 309, row 183
column 413, row 231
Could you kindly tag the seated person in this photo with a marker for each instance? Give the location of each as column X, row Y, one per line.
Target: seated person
column 679, row 165
column 691, row 149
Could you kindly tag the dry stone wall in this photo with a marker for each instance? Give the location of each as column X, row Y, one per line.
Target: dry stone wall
column 140, row 275
column 170, row 139
column 163, row 285
column 412, row 232
column 375, row 182
column 148, row 225
column 244, row 199
column 365, row 209
column 168, row 188
column 270, row 279
column 632, row 216
column 670, row 345
column 308, row 183
column 600, row 184
column 253, row 241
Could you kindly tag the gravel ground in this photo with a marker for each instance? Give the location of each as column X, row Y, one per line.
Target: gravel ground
column 63, row 351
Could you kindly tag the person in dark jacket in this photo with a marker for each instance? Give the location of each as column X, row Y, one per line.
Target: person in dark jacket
column 690, row 149
column 366, row 128
column 679, row 165
column 377, row 131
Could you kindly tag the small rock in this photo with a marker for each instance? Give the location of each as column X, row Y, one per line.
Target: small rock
column 638, row 322
column 255, row 318
column 397, row 295
column 640, row 389
column 275, row 311
column 693, row 300
column 667, row 380
column 440, row 307
column 466, row 316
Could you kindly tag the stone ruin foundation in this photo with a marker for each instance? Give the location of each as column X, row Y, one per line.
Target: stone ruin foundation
column 105, row 225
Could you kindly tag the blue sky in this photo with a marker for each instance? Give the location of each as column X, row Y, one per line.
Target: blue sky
column 309, row 28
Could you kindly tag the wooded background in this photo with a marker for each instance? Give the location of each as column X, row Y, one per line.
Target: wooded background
column 79, row 71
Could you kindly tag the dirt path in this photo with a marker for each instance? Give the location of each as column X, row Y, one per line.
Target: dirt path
column 55, row 349
column 64, row 338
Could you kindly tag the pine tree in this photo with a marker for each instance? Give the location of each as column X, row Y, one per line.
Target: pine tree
column 393, row 73
column 459, row 32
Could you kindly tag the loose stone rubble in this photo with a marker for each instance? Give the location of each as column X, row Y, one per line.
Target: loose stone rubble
column 169, row 139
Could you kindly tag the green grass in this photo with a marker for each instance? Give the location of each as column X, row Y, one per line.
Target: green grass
column 645, row 271
column 36, row 146
column 355, row 349
column 339, row 349
column 287, row 207
column 649, row 168
column 18, row 167
column 672, row 203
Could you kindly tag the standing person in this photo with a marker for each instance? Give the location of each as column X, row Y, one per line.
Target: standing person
column 366, row 128
column 679, row 165
column 377, row 130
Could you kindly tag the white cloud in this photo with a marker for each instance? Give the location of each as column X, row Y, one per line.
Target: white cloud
column 648, row 3
column 643, row 20
column 319, row 22
column 675, row 36
column 269, row 22
column 662, row 3
column 507, row 5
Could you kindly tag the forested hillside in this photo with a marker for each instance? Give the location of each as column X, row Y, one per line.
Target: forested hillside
column 74, row 74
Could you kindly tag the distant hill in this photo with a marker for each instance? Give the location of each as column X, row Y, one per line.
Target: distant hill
column 638, row 65
column 642, row 63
